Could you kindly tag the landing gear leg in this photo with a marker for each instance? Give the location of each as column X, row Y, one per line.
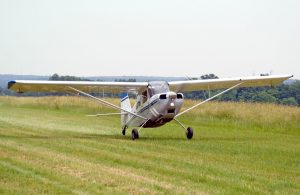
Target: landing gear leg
column 124, row 130
column 188, row 131
column 135, row 132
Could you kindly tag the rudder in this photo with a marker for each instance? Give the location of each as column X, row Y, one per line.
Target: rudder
column 125, row 104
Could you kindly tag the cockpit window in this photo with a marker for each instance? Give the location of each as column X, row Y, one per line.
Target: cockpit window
column 141, row 99
column 144, row 99
column 157, row 87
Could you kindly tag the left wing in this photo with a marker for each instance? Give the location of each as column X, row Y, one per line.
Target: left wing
column 82, row 87
column 196, row 85
column 21, row 86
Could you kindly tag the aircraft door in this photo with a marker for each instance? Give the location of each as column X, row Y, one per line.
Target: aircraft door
column 144, row 103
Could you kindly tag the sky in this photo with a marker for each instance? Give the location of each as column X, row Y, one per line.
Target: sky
column 150, row 38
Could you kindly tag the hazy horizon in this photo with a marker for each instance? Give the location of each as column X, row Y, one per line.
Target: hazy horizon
column 156, row 38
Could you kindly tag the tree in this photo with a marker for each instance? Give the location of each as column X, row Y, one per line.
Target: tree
column 56, row 77
column 125, row 80
column 209, row 76
column 263, row 96
column 229, row 96
column 294, row 89
column 289, row 101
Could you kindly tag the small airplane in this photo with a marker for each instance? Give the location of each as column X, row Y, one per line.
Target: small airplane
column 157, row 103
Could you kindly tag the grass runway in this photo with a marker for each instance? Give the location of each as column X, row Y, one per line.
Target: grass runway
column 49, row 146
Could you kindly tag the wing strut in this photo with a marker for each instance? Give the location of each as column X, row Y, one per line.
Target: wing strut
column 207, row 100
column 106, row 103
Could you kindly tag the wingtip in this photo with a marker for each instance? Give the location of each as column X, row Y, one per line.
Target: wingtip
column 10, row 84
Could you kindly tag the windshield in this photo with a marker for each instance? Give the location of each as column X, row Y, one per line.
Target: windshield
column 156, row 87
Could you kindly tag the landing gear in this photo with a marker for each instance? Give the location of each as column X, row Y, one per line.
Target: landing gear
column 134, row 134
column 124, row 130
column 189, row 132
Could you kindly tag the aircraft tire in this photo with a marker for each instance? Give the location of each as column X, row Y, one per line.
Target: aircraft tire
column 124, row 130
column 189, row 133
column 134, row 134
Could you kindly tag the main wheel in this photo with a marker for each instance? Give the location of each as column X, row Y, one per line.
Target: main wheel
column 134, row 134
column 189, row 133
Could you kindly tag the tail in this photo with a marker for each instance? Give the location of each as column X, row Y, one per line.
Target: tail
column 125, row 104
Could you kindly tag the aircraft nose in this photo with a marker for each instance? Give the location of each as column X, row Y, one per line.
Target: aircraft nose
column 172, row 95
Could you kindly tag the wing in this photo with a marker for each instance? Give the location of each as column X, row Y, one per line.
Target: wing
column 196, row 85
column 21, row 86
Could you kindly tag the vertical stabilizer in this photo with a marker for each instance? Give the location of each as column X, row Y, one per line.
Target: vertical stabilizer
column 125, row 104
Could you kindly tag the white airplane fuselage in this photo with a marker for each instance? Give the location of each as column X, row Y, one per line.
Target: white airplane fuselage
column 158, row 109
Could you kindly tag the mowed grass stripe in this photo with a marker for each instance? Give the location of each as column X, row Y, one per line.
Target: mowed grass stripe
column 68, row 165
column 74, row 148
column 20, row 159
column 201, row 179
column 112, row 153
column 36, row 178
column 143, row 165
column 48, row 120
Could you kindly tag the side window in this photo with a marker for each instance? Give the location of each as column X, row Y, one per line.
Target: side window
column 149, row 92
column 138, row 104
column 144, row 96
column 139, row 101
column 144, row 99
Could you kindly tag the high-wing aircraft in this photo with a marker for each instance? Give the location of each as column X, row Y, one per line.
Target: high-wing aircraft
column 157, row 103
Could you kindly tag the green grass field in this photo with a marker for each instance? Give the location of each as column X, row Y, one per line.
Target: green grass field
column 49, row 146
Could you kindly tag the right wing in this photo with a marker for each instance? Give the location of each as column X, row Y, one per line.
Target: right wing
column 208, row 84
column 21, row 86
